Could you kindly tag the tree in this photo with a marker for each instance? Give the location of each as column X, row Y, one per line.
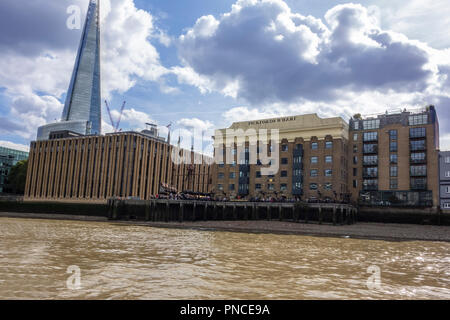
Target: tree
column 17, row 177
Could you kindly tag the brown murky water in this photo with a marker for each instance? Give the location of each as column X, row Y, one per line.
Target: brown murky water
column 131, row 262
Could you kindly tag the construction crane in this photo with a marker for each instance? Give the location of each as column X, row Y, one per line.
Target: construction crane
column 116, row 125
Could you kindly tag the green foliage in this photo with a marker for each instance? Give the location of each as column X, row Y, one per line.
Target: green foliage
column 17, row 177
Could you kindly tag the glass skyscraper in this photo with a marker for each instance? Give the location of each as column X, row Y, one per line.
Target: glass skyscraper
column 82, row 109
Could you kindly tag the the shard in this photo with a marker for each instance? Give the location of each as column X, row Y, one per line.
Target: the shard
column 82, row 109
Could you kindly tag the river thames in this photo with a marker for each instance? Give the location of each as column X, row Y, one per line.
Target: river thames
column 39, row 259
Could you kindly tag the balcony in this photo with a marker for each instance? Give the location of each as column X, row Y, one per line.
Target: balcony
column 418, row 186
column 370, row 163
column 418, row 161
column 372, row 150
column 370, row 175
column 370, row 187
column 418, row 174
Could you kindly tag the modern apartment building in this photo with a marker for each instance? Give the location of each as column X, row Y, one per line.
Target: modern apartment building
column 444, row 180
column 125, row 164
column 394, row 158
column 311, row 160
column 8, row 158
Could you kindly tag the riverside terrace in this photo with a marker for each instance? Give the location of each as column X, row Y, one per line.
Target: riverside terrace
column 185, row 210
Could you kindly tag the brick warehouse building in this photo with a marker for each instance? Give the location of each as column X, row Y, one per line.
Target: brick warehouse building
column 394, row 158
column 127, row 164
column 312, row 160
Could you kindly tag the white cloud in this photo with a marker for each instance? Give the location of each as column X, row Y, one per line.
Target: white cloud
column 16, row 146
column 281, row 62
column 36, row 74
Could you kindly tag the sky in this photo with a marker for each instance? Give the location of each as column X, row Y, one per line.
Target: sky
column 204, row 64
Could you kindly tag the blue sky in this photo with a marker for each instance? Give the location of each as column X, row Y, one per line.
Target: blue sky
column 205, row 64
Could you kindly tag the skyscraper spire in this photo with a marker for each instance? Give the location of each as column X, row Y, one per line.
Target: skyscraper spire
column 83, row 101
column 82, row 109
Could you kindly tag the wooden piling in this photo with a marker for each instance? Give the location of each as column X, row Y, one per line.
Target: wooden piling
column 320, row 215
column 205, row 212
column 334, row 216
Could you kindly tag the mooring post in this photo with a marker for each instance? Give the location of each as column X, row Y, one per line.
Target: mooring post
column 334, row 216
column 215, row 211
column 224, row 211
column 193, row 211
column 181, row 212
column 234, row 212
column 257, row 209
column 306, row 214
column 320, row 215
column 147, row 210
column 205, row 212
column 115, row 209
column 341, row 216
column 269, row 213
column 348, row 217
column 280, row 213
column 253, row 215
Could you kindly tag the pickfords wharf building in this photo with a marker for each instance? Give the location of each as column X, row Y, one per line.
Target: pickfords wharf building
column 308, row 155
column 124, row 165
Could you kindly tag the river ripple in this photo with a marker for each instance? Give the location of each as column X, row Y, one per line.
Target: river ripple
column 135, row 262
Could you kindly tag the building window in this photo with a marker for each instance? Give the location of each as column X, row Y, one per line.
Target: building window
column 328, row 173
column 370, row 136
column 284, row 147
column 313, row 186
column 231, row 187
column 447, row 159
column 393, row 134
column 418, row 119
column 258, row 186
column 447, row 189
column 393, row 183
column 355, row 172
column 314, row 159
column 243, row 174
column 355, row 183
column 418, row 157
column 447, row 174
column 328, row 186
column 371, row 148
column 233, row 163
column 394, row 171
column 284, row 160
column 447, row 205
column 328, row 159
column 393, row 158
column 356, row 125
column 314, row 173
column 232, row 175
column 355, row 148
column 328, row 144
column 355, row 160
column 393, row 146
column 371, row 172
column 221, row 175
column 297, row 172
column 371, row 124
column 283, row 187
column 221, row 165
column 271, row 186
column 355, row 137
column 417, row 132
column 284, row 173
column 418, row 145
column 220, row 186
column 258, row 174
column 297, row 186
column 418, row 170
column 298, row 159
column 314, row 145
